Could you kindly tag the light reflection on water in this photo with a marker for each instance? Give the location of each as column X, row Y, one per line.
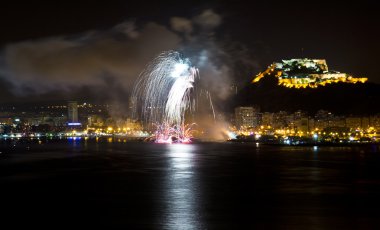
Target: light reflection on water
column 181, row 189
column 199, row 186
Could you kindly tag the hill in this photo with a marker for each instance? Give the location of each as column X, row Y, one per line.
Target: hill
column 341, row 98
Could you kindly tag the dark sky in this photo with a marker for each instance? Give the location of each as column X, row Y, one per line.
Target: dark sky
column 345, row 34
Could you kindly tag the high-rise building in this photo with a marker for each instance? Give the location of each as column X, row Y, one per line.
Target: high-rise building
column 280, row 120
column 302, row 124
column 353, row 122
column 323, row 119
column 246, row 117
column 267, row 119
column 357, row 122
column 375, row 121
column 72, row 108
column 132, row 105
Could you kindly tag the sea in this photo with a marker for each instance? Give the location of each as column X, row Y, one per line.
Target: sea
column 109, row 183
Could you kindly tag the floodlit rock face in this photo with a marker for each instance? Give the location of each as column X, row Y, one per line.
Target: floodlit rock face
column 305, row 73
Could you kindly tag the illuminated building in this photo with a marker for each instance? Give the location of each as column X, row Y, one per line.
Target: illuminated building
column 338, row 121
column 246, row 117
column 6, row 120
column 323, row 119
column 366, row 122
column 357, row 122
column 267, row 119
column 375, row 121
column 280, row 119
column 132, row 105
column 95, row 120
column 72, row 108
column 305, row 73
column 234, row 89
column 46, row 120
column 300, row 114
column 302, row 124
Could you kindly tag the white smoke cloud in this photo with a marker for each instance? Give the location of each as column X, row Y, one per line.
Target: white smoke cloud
column 215, row 78
column 208, row 19
column 62, row 62
column 129, row 28
column 180, row 24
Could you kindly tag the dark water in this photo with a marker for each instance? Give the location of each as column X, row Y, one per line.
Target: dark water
column 199, row 186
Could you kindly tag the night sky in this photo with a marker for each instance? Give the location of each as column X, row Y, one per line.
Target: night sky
column 62, row 50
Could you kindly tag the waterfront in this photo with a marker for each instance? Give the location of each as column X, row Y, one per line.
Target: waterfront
column 84, row 183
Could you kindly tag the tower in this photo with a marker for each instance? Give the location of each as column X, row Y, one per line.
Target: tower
column 72, row 108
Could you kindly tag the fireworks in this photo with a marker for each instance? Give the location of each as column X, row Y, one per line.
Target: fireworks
column 169, row 134
column 163, row 91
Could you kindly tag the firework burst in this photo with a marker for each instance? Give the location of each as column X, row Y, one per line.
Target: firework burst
column 163, row 95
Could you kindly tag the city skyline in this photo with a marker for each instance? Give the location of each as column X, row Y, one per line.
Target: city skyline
column 248, row 123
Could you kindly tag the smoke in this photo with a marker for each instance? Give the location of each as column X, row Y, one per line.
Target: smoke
column 88, row 59
column 208, row 19
column 213, row 130
column 182, row 25
column 205, row 52
column 216, row 78
column 106, row 63
column 211, row 125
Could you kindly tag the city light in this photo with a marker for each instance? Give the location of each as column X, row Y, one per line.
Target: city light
column 305, row 73
column 299, row 128
column 74, row 123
